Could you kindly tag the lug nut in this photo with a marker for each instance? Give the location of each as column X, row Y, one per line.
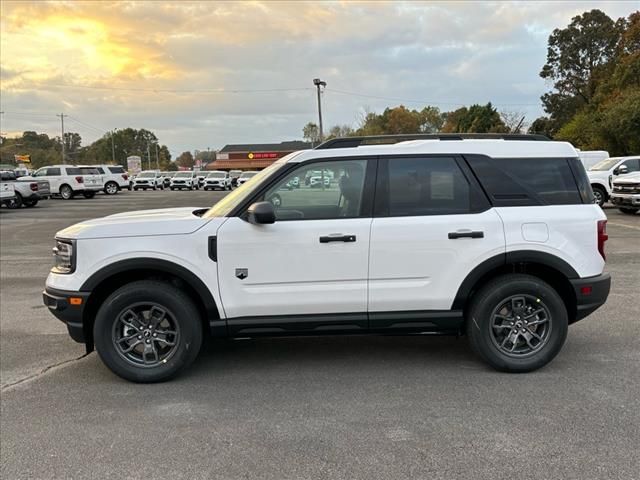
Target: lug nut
column 148, row 341
column 155, row 334
column 139, row 337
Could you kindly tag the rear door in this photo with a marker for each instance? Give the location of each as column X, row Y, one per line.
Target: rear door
column 308, row 271
column 432, row 225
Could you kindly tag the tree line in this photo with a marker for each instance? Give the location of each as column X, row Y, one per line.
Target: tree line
column 593, row 66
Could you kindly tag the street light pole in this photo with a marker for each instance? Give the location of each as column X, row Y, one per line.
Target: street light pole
column 157, row 158
column 62, row 115
column 319, row 83
column 113, row 149
column 149, row 156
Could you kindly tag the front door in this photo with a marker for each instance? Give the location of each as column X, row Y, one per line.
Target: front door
column 306, row 272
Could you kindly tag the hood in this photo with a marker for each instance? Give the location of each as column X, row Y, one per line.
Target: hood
column 166, row 221
column 628, row 178
column 601, row 174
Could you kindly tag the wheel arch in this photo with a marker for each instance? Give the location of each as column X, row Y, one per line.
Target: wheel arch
column 549, row 268
column 108, row 279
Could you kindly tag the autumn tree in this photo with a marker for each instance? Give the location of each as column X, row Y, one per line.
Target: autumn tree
column 185, row 160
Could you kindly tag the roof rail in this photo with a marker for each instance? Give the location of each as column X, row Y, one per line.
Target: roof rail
column 352, row 142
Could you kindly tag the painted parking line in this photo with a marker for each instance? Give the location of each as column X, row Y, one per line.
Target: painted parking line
column 623, row 225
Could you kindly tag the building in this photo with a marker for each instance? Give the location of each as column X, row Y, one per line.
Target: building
column 254, row 156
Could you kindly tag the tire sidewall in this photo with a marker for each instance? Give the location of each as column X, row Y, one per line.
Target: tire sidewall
column 479, row 327
column 180, row 307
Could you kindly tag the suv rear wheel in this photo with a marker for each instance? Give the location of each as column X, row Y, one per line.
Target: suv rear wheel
column 147, row 331
column 517, row 323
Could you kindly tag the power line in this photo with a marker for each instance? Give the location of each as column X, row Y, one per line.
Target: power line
column 97, row 129
column 169, row 90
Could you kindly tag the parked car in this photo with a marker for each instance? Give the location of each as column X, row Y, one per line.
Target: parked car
column 27, row 192
column 188, row 180
column 68, row 181
column 201, row 174
column 626, row 193
column 151, row 179
column 244, row 176
column 498, row 239
column 114, row 177
column 234, row 175
column 602, row 174
column 217, row 180
column 167, row 176
column 7, row 193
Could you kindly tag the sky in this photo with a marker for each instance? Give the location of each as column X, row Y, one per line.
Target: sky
column 204, row 74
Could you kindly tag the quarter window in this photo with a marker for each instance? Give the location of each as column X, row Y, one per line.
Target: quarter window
column 116, row 169
column 320, row 190
column 426, row 186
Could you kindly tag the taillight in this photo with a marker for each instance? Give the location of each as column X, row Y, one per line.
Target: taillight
column 602, row 236
column 33, row 187
column 126, row 177
column 79, row 179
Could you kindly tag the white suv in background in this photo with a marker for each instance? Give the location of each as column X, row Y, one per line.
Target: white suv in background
column 148, row 179
column 244, row 176
column 602, row 175
column 217, row 179
column 626, row 193
column 69, row 180
column 188, row 180
column 114, row 177
column 492, row 236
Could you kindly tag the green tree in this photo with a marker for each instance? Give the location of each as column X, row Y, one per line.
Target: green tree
column 401, row 120
column 311, row 133
column 474, row 119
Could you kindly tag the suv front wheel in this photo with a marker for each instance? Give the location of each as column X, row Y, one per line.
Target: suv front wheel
column 147, row 331
column 517, row 323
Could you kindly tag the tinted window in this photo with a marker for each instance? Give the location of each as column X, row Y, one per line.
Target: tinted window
column 116, row 169
column 56, row 171
column 427, row 186
column 632, row 165
column 71, row 171
column 88, row 171
column 333, row 189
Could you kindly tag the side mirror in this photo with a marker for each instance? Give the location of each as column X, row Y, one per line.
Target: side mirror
column 261, row 213
column 622, row 170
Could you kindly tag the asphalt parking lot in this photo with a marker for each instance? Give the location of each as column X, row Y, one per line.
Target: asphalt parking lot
column 349, row 407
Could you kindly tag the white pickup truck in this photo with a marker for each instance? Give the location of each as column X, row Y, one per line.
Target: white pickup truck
column 26, row 192
column 68, row 180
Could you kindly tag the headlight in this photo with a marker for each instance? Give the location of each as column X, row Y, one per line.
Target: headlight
column 64, row 258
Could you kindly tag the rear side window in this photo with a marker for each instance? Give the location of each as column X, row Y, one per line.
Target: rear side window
column 71, row 171
column 417, row 186
column 54, row 172
column 526, row 181
column 116, row 169
column 89, row 170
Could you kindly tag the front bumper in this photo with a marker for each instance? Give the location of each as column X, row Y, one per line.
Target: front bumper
column 591, row 293
column 632, row 199
column 59, row 303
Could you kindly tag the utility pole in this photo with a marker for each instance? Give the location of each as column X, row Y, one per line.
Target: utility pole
column 113, row 148
column 319, row 83
column 157, row 158
column 148, row 156
column 62, row 115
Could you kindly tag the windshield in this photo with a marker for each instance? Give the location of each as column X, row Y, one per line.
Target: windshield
column 607, row 164
column 183, row 175
column 228, row 203
column 146, row 175
column 216, row 175
column 248, row 174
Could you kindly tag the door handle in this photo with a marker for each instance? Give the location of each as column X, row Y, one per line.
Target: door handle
column 454, row 235
column 337, row 238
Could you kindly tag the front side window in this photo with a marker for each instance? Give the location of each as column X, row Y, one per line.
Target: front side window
column 632, row 165
column 426, row 186
column 333, row 189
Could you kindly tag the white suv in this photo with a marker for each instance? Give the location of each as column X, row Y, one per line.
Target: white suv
column 152, row 179
column 114, row 177
column 188, row 180
column 602, row 175
column 69, row 180
column 493, row 236
column 217, row 179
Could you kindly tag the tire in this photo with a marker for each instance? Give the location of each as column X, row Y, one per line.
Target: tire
column 154, row 187
column 30, row 203
column 135, row 188
column 600, row 194
column 181, row 317
column 66, row 192
column 111, row 188
column 15, row 203
column 89, row 194
column 485, row 325
column 172, row 188
column 628, row 211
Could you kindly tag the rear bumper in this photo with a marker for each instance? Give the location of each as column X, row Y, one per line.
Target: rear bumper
column 632, row 200
column 59, row 303
column 591, row 293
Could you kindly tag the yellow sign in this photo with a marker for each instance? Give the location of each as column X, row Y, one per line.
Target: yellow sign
column 22, row 158
column 250, row 155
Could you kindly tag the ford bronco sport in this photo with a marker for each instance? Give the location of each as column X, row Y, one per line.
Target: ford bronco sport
column 492, row 236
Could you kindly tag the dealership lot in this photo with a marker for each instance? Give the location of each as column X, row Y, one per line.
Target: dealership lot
column 350, row 407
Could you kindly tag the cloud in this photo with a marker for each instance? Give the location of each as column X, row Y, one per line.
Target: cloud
column 183, row 68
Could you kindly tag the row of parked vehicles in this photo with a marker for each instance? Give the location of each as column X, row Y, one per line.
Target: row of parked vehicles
column 189, row 180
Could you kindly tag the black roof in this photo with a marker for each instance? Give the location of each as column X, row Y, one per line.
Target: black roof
column 267, row 147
